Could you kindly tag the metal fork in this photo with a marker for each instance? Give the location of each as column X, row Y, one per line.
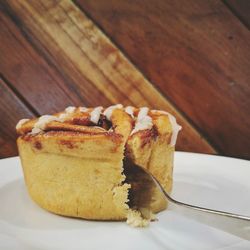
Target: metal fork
column 235, row 224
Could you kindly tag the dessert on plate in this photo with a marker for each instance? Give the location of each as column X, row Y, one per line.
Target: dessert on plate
column 82, row 162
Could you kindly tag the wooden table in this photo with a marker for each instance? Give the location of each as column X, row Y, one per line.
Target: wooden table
column 191, row 58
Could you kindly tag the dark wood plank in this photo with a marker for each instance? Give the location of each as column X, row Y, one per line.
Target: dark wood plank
column 12, row 110
column 43, row 85
column 73, row 45
column 240, row 8
column 196, row 53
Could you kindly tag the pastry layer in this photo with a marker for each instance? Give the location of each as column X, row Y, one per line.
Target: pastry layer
column 75, row 176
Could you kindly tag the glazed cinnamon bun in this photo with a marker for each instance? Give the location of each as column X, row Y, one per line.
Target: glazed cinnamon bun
column 82, row 162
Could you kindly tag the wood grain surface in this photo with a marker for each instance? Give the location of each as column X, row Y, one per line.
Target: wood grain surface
column 29, row 73
column 241, row 9
column 59, row 53
column 196, row 53
column 12, row 108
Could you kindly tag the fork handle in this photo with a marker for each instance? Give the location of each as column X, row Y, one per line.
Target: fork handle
column 232, row 223
column 235, row 224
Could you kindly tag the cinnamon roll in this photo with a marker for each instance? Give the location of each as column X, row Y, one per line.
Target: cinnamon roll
column 82, row 162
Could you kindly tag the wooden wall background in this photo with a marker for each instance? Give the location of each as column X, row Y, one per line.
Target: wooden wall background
column 191, row 58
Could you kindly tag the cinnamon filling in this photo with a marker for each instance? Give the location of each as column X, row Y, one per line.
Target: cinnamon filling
column 103, row 122
column 140, row 193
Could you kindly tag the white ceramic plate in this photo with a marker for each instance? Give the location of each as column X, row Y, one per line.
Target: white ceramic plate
column 211, row 181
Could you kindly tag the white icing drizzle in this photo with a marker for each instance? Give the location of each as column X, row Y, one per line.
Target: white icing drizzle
column 35, row 131
column 42, row 122
column 95, row 114
column 70, row 109
column 142, row 113
column 83, row 109
column 108, row 111
column 62, row 117
column 21, row 122
column 143, row 121
column 175, row 126
column 130, row 110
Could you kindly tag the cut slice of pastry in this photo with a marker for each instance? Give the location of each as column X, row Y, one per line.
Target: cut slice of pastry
column 82, row 162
